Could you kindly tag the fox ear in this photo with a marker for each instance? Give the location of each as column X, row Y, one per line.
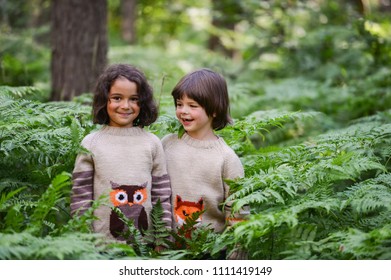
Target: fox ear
column 201, row 201
column 178, row 198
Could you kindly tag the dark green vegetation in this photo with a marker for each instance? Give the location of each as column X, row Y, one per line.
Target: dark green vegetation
column 312, row 109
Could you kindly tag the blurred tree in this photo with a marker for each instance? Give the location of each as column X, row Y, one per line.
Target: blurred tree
column 358, row 6
column 79, row 46
column 385, row 6
column 14, row 14
column 128, row 20
column 22, row 14
column 39, row 12
column 225, row 15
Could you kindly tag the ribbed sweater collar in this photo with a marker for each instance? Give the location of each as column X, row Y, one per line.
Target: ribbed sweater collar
column 204, row 144
column 120, row 131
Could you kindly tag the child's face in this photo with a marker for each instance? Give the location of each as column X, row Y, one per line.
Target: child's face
column 122, row 106
column 194, row 119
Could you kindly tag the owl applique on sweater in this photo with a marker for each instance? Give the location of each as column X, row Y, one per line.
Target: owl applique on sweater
column 129, row 200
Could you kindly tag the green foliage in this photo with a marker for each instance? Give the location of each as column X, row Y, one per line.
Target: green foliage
column 78, row 246
column 159, row 234
column 23, row 61
column 310, row 95
column 303, row 195
column 38, row 140
column 193, row 241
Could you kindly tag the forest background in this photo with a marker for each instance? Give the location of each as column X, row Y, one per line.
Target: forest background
column 309, row 83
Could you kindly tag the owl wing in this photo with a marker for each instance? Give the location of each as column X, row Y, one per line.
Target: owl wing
column 143, row 220
column 117, row 226
column 137, row 214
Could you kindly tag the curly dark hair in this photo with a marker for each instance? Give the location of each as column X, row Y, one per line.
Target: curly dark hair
column 148, row 108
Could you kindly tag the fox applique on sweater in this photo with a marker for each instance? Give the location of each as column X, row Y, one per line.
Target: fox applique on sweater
column 197, row 169
column 184, row 209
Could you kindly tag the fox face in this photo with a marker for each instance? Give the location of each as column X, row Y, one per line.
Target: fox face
column 184, row 209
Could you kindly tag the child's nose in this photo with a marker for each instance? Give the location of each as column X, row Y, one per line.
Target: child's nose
column 125, row 104
column 185, row 110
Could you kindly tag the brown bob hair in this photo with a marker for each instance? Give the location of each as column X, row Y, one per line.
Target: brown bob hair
column 209, row 90
column 148, row 108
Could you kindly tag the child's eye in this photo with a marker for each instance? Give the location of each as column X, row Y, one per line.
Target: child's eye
column 134, row 99
column 115, row 98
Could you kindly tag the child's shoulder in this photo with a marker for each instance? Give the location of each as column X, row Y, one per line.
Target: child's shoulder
column 169, row 139
column 90, row 137
column 152, row 137
column 228, row 152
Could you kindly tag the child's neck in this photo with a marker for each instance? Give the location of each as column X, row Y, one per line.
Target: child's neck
column 204, row 136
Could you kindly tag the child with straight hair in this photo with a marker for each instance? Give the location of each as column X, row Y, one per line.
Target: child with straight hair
column 199, row 161
column 124, row 162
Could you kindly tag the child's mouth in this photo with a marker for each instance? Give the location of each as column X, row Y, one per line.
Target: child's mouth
column 125, row 114
column 186, row 121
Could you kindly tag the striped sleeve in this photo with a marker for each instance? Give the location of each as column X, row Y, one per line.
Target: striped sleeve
column 82, row 193
column 161, row 189
column 82, row 189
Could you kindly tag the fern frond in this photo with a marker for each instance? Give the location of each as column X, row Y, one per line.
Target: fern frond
column 133, row 236
column 158, row 234
column 82, row 223
column 48, row 201
column 7, row 196
column 49, row 133
column 78, row 246
column 370, row 201
column 23, row 92
column 258, row 123
column 354, row 244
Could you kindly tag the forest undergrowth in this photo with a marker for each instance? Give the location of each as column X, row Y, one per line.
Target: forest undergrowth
column 316, row 147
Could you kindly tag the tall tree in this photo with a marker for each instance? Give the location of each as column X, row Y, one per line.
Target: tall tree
column 79, row 46
column 226, row 14
column 385, row 6
column 128, row 20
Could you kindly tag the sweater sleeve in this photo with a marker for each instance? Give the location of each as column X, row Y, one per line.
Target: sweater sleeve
column 233, row 169
column 82, row 179
column 161, row 185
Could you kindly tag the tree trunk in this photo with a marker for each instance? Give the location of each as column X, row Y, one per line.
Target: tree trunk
column 79, row 46
column 358, row 5
column 128, row 20
column 385, row 6
column 225, row 16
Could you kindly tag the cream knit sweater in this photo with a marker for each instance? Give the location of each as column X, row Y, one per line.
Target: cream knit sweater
column 128, row 166
column 197, row 171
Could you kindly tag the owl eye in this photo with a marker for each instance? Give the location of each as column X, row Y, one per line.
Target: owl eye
column 118, row 197
column 121, row 197
column 139, row 197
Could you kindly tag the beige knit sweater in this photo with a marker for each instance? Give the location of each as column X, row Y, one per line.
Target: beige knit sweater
column 128, row 166
column 197, row 171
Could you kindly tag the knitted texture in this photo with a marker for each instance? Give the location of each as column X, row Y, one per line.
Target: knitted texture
column 197, row 171
column 128, row 167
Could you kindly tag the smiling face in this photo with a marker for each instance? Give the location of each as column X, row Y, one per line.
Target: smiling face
column 123, row 104
column 194, row 119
